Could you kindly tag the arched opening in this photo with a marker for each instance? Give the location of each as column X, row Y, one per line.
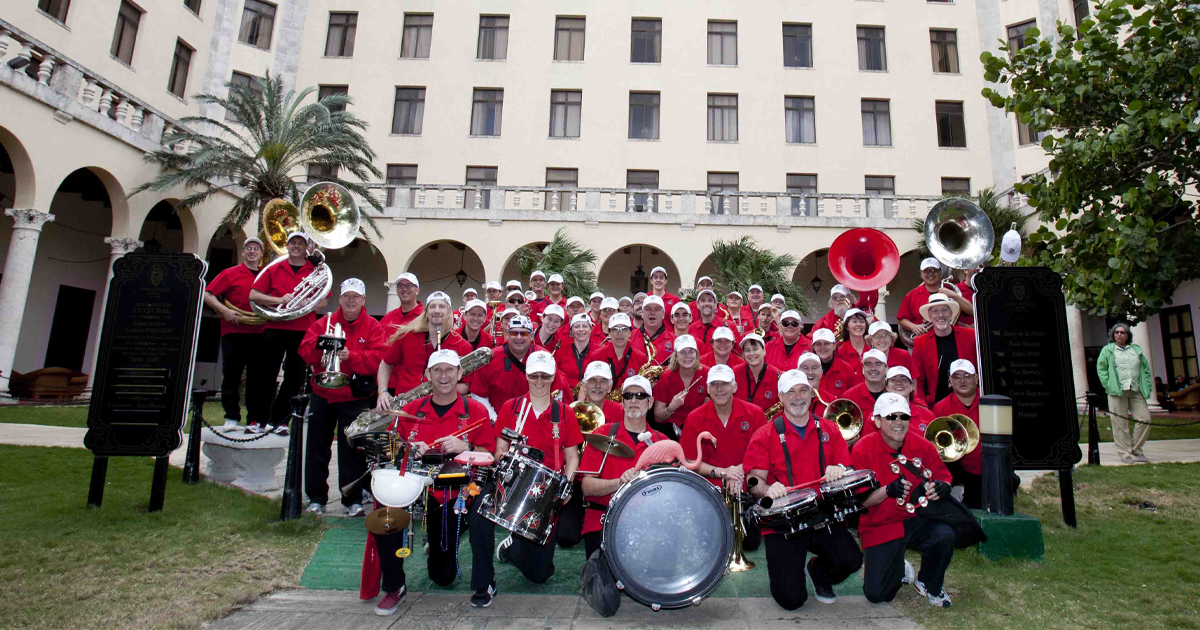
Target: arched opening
column 813, row 271
column 707, row 268
column 360, row 259
column 8, row 180
column 16, row 173
column 907, row 279
column 163, row 226
column 448, row 266
column 620, row 270
column 512, row 268
column 224, row 250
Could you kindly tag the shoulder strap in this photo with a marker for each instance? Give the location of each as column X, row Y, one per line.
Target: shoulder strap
column 781, row 429
column 820, row 442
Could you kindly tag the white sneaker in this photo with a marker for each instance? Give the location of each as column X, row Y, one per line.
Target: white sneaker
column 941, row 600
column 910, row 573
column 281, row 430
column 356, row 510
column 254, row 427
column 315, row 508
column 230, row 424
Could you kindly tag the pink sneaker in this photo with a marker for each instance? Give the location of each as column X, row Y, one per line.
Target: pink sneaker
column 390, row 602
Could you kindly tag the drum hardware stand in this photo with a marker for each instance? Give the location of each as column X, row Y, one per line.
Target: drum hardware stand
column 191, row 465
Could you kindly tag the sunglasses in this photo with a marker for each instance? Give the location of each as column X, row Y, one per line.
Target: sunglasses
column 520, row 334
column 898, row 417
column 637, row 395
column 790, row 323
column 539, row 376
column 517, row 302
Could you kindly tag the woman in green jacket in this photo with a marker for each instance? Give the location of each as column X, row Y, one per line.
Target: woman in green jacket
column 1127, row 380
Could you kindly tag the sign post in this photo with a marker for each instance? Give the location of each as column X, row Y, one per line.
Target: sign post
column 144, row 367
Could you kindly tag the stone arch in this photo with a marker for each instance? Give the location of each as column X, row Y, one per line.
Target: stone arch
column 512, row 270
column 17, row 182
column 437, row 265
column 173, row 228
column 615, row 271
column 360, row 259
column 223, row 250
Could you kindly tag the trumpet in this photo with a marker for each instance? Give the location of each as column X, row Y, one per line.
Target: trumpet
column 331, row 342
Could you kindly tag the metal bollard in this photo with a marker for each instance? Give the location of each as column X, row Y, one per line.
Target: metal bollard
column 191, row 463
column 1093, row 430
column 995, row 427
column 293, row 475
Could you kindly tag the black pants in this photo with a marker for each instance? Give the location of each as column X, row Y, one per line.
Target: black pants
column 753, row 537
column 591, row 542
column 570, row 519
column 536, row 562
column 324, row 420
column 885, row 561
column 443, row 547
column 241, row 352
column 837, row 558
column 280, row 347
column 972, row 485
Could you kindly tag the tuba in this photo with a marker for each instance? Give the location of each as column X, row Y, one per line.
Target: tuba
column 953, row 436
column 330, row 217
column 847, row 415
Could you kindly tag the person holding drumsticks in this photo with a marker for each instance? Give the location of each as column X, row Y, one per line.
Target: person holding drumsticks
column 549, row 426
column 792, row 449
column 450, row 423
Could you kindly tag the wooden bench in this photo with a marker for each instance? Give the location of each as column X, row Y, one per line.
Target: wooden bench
column 48, row 384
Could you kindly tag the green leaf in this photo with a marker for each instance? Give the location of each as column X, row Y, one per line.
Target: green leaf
column 1135, row 106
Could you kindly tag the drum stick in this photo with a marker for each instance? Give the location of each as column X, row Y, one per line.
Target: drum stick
column 471, row 427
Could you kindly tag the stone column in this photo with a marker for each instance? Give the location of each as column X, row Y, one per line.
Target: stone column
column 1141, row 337
column 120, row 247
column 1078, row 355
column 18, row 270
column 393, row 298
column 881, row 305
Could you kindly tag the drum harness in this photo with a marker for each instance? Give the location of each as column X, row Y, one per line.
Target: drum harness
column 781, row 429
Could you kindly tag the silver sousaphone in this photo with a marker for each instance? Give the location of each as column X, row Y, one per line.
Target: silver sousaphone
column 959, row 234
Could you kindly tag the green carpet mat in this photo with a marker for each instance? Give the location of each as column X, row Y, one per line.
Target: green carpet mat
column 337, row 565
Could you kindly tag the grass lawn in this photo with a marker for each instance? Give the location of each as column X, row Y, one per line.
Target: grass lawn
column 76, row 415
column 65, row 566
column 1156, row 432
column 1122, row 568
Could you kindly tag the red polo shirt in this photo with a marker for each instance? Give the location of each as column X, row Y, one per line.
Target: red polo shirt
column 670, row 384
column 613, row 411
column 704, row 332
column 764, row 452
column 279, row 280
column 709, row 359
column 732, row 435
column 614, row 467
column 828, row 320
column 364, row 340
column 838, row 378
column 972, row 462
column 409, row 354
column 750, row 388
column 571, row 365
column 925, row 358
column 539, row 429
column 234, row 285
column 967, row 292
column 900, row 356
column 911, row 304
column 669, row 300
column 550, row 346
column 622, row 366
column 503, row 379
column 397, row 317
column 884, row 521
column 866, row 402
column 482, row 340
column 921, row 418
column 846, row 352
column 433, row 426
column 784, row 358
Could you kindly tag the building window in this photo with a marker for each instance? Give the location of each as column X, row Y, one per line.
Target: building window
column 880, row 186
column 565, row 109
column 722, row 43
column 643, row 115
column 872, row 54
column 418, row 35
column 1027, row 134
column 128, row 19
column 409, row 111
column 1016, row 35
column 493, row 37
column 339, row 41
column 321, row 173
column 243, row 80
column 192, row 5
column 722, row 183
column 325, row 91
column 956, row 187
column 568, row 38
column 797, row 46
column 487, row 110
column 642, row 180
column 723, row 117
column 803, row 184
column 951, row 130
column 480, row 177
column 399, row 175
column 258, row 20
column 561, row 178
column 877, row 123
column 800, row 119
column 1179, row 343
column 647, row 41
column 56, row 9
column 1081, row 11
column 180, row 65
column 944, row 46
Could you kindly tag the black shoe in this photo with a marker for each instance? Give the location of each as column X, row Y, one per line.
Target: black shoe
column 502, row 550
column 823, row 592
column 484, row 596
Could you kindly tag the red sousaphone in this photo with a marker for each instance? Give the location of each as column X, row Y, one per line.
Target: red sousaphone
column 864, row 259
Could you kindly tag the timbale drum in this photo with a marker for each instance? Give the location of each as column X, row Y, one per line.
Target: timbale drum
column 798, row 512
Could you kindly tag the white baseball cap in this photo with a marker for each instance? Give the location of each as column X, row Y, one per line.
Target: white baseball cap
column 520, row 321
column 809, row 356
column 355, row 285
column 708, row 291
column 437, row 295
column 899, row 370
column 595, row 295
column 625, row 298
column 753, row 287
column 509, row 312
column 720, row 374
column 790, row 315
column 877, row 326
column 778, row 296
column 637, row 380
column 536, row 274
column 474, row 304
column 875, row 354
column 723, row 332
column 492, row 284
column 653, row 299
column 792, row 378
column 516, row 292
column 962, row 365
column 685, row 341
column 930, row 263
column 734, row 293
column 889, row 403
column 297, row 233
column 597, row 368
column 702, row 279
column 823, row 334
column 679, row 306
column 840, row 288
column 512, row 283
column 444, row 356
column 753, row 337
column 610, row 302
column 619, row 319
column 540, row 361
column 658, row 269
column 470, row 290
column 252, row 239
column 554, row 277
column 410, row 277
column 852, row 312
column 581, row 318
column 765, row 305
column 1010, row 246
column 575, row 298
column 555, row 309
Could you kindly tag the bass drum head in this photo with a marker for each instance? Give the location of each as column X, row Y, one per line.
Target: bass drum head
column 667, row 537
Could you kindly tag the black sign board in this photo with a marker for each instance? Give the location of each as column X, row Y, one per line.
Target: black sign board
column 144, row 367
column 1025, row 354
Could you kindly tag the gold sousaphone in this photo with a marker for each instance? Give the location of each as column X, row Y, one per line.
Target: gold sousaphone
column 953, row 436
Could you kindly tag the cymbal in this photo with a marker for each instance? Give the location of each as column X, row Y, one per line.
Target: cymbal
column 387, row 520
column 605, row 444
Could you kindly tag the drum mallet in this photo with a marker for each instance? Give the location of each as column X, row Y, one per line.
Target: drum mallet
column 995, row 428
column 767, row 502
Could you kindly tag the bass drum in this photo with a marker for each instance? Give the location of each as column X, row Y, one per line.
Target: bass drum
column 667, row 537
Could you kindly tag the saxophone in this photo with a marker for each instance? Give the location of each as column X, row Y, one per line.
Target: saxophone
column 651, row 370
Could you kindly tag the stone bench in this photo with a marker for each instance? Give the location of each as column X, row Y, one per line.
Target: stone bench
column 248, row 465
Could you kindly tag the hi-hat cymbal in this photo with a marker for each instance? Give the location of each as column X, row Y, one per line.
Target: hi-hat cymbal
column 387, row 520
column 608, row 445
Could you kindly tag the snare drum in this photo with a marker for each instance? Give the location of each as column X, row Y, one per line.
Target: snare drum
column 525, row 497
column 844, row 497
column 667, row 537
column 799, row 512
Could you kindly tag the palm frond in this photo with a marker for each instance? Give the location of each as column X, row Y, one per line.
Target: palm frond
column 564, row 256
column 742, row 262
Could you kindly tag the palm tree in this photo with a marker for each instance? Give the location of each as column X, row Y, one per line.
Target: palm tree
column 562, row 256
column 742, row 263
column 273, row 135
column 1002, row 218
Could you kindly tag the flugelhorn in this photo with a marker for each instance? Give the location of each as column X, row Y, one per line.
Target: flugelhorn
column 953, row 436
column 847, row 415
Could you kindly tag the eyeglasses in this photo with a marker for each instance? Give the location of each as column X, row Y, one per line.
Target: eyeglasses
column 681, row 314
column 520, row 334
column 637, row 395
column 961, row 377
column 517, row 302
column 615, row 329
column 898, row 417
column 791, row 323
column 406, row 287
column 540, row 376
